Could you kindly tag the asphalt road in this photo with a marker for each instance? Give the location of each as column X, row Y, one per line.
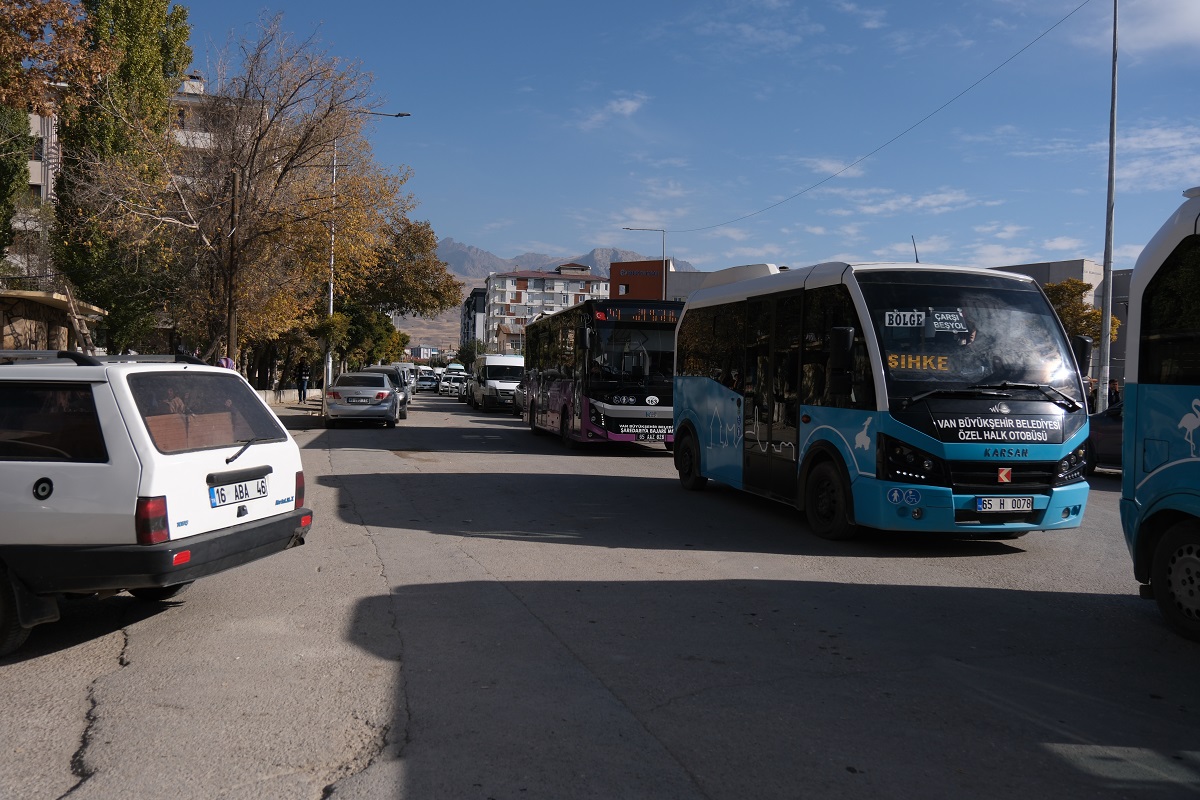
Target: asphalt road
column 480, row 613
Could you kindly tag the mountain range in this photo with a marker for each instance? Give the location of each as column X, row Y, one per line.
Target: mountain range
column 474, row 264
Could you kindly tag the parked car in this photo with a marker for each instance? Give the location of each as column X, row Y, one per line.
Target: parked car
column 134, row 473
column 427, row 382
column 1104, row 438
column 362, row 396
column 450, row 384
column 520, row 397
column 399, row 381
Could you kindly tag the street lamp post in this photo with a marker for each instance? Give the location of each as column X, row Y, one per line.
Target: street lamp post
column 332, row 242
column 664, row 255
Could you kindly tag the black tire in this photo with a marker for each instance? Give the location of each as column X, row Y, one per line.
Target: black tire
column 533, row 428
column 826, row 503
column 404, row 411
column 687, row 461
column 330, row 423
column 391, row 423
column 159, row 594
column 564, row 432
column 1175, row 578
column 1089, row 456
column 12, row 635
column 669, row 445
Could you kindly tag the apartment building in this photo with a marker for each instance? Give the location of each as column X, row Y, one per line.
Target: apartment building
column 513, row 299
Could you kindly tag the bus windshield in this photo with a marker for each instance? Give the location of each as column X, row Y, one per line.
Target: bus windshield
column 949, row 332
column 622, row 355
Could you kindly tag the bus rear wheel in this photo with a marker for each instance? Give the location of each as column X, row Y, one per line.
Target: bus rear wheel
column 687, row 462
column 826, row 503
column 1175, row 576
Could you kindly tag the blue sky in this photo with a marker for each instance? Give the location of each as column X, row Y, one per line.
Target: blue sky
column 549, row 126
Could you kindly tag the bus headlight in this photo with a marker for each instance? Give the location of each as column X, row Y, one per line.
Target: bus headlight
column 897, row 461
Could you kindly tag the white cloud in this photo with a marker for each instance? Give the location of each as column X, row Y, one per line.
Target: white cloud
column 831, row 166
column 1063, row 243
column 747, row 255
column 871, row 18
column 1149, row 26
column 625, row 105
column 664, row 190
column 998, row 230
column 994, row 255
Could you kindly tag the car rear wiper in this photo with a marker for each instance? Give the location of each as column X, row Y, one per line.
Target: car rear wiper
column 245, row 446
column 970, row 391
column 1053, row 395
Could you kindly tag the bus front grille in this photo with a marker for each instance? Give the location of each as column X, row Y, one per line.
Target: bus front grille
column 984, row 477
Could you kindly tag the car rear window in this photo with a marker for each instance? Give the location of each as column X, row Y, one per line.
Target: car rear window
column 185, row 410
column 369, row 381
column 49, row 422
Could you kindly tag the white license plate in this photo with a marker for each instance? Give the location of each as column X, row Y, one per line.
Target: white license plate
column 1003, row 504
column 651, row 437
column 358, row 399
column 237, row 492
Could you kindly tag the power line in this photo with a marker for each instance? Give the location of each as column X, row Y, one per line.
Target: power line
column 898, row 136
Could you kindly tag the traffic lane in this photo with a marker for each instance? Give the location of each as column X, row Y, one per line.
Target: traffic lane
column 771, row 660
column 755, row 688
column 255, row 684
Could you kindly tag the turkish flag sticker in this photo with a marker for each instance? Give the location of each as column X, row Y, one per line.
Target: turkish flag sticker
column 1005, row 475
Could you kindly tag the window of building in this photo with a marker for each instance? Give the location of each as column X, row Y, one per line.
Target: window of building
column 623, row 289
column 565, row 299
column 39, row 148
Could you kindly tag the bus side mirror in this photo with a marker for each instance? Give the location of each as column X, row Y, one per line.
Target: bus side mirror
column 841, row 361
column 1082, row 347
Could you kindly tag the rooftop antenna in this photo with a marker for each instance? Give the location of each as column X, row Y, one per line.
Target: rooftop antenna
column 916, row 257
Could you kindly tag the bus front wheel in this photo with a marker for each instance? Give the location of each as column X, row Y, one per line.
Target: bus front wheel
column 687, row 461
column 564, row 430
column 825, row 503
column 1175, row 576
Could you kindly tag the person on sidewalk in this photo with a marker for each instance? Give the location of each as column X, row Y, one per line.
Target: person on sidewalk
column 302, row 377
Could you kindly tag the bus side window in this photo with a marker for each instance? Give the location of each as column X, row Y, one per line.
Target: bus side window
column 827, row 308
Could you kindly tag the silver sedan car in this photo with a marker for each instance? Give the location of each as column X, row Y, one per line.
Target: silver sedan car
column 366, row 396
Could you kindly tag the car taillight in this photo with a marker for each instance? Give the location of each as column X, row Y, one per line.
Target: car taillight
column 150, row 520
column 380, row 395
column 299, row 489
column 332, row 395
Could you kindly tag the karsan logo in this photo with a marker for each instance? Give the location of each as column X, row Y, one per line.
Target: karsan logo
column 651, row 400
column 1004, row 475
column 1000, row 408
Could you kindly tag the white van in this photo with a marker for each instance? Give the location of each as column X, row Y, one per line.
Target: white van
column 493, row 381
column 134, row 473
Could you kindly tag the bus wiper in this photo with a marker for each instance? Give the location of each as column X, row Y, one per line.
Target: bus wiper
column 970, row 391
column 1054, row 395
column 245, row 446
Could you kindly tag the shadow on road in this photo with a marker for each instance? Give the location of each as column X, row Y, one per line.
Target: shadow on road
column 763, row 689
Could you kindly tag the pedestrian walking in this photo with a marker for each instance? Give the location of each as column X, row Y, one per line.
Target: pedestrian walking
column 303, row 373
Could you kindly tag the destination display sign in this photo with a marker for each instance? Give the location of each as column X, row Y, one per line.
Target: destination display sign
column 933, row 320
column 998, row 428
column 659, row 314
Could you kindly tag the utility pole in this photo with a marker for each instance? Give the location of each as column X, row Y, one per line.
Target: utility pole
column 1107, row 293
column 231, row 276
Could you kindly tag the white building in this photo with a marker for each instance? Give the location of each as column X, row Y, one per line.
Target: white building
column 512, row 299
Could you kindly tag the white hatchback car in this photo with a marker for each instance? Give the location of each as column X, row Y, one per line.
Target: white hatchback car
column 134, row 473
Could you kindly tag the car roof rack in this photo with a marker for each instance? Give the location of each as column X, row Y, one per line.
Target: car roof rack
column 84, row 360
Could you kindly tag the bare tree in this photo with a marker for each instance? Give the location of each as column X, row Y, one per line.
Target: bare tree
column 241, row 188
